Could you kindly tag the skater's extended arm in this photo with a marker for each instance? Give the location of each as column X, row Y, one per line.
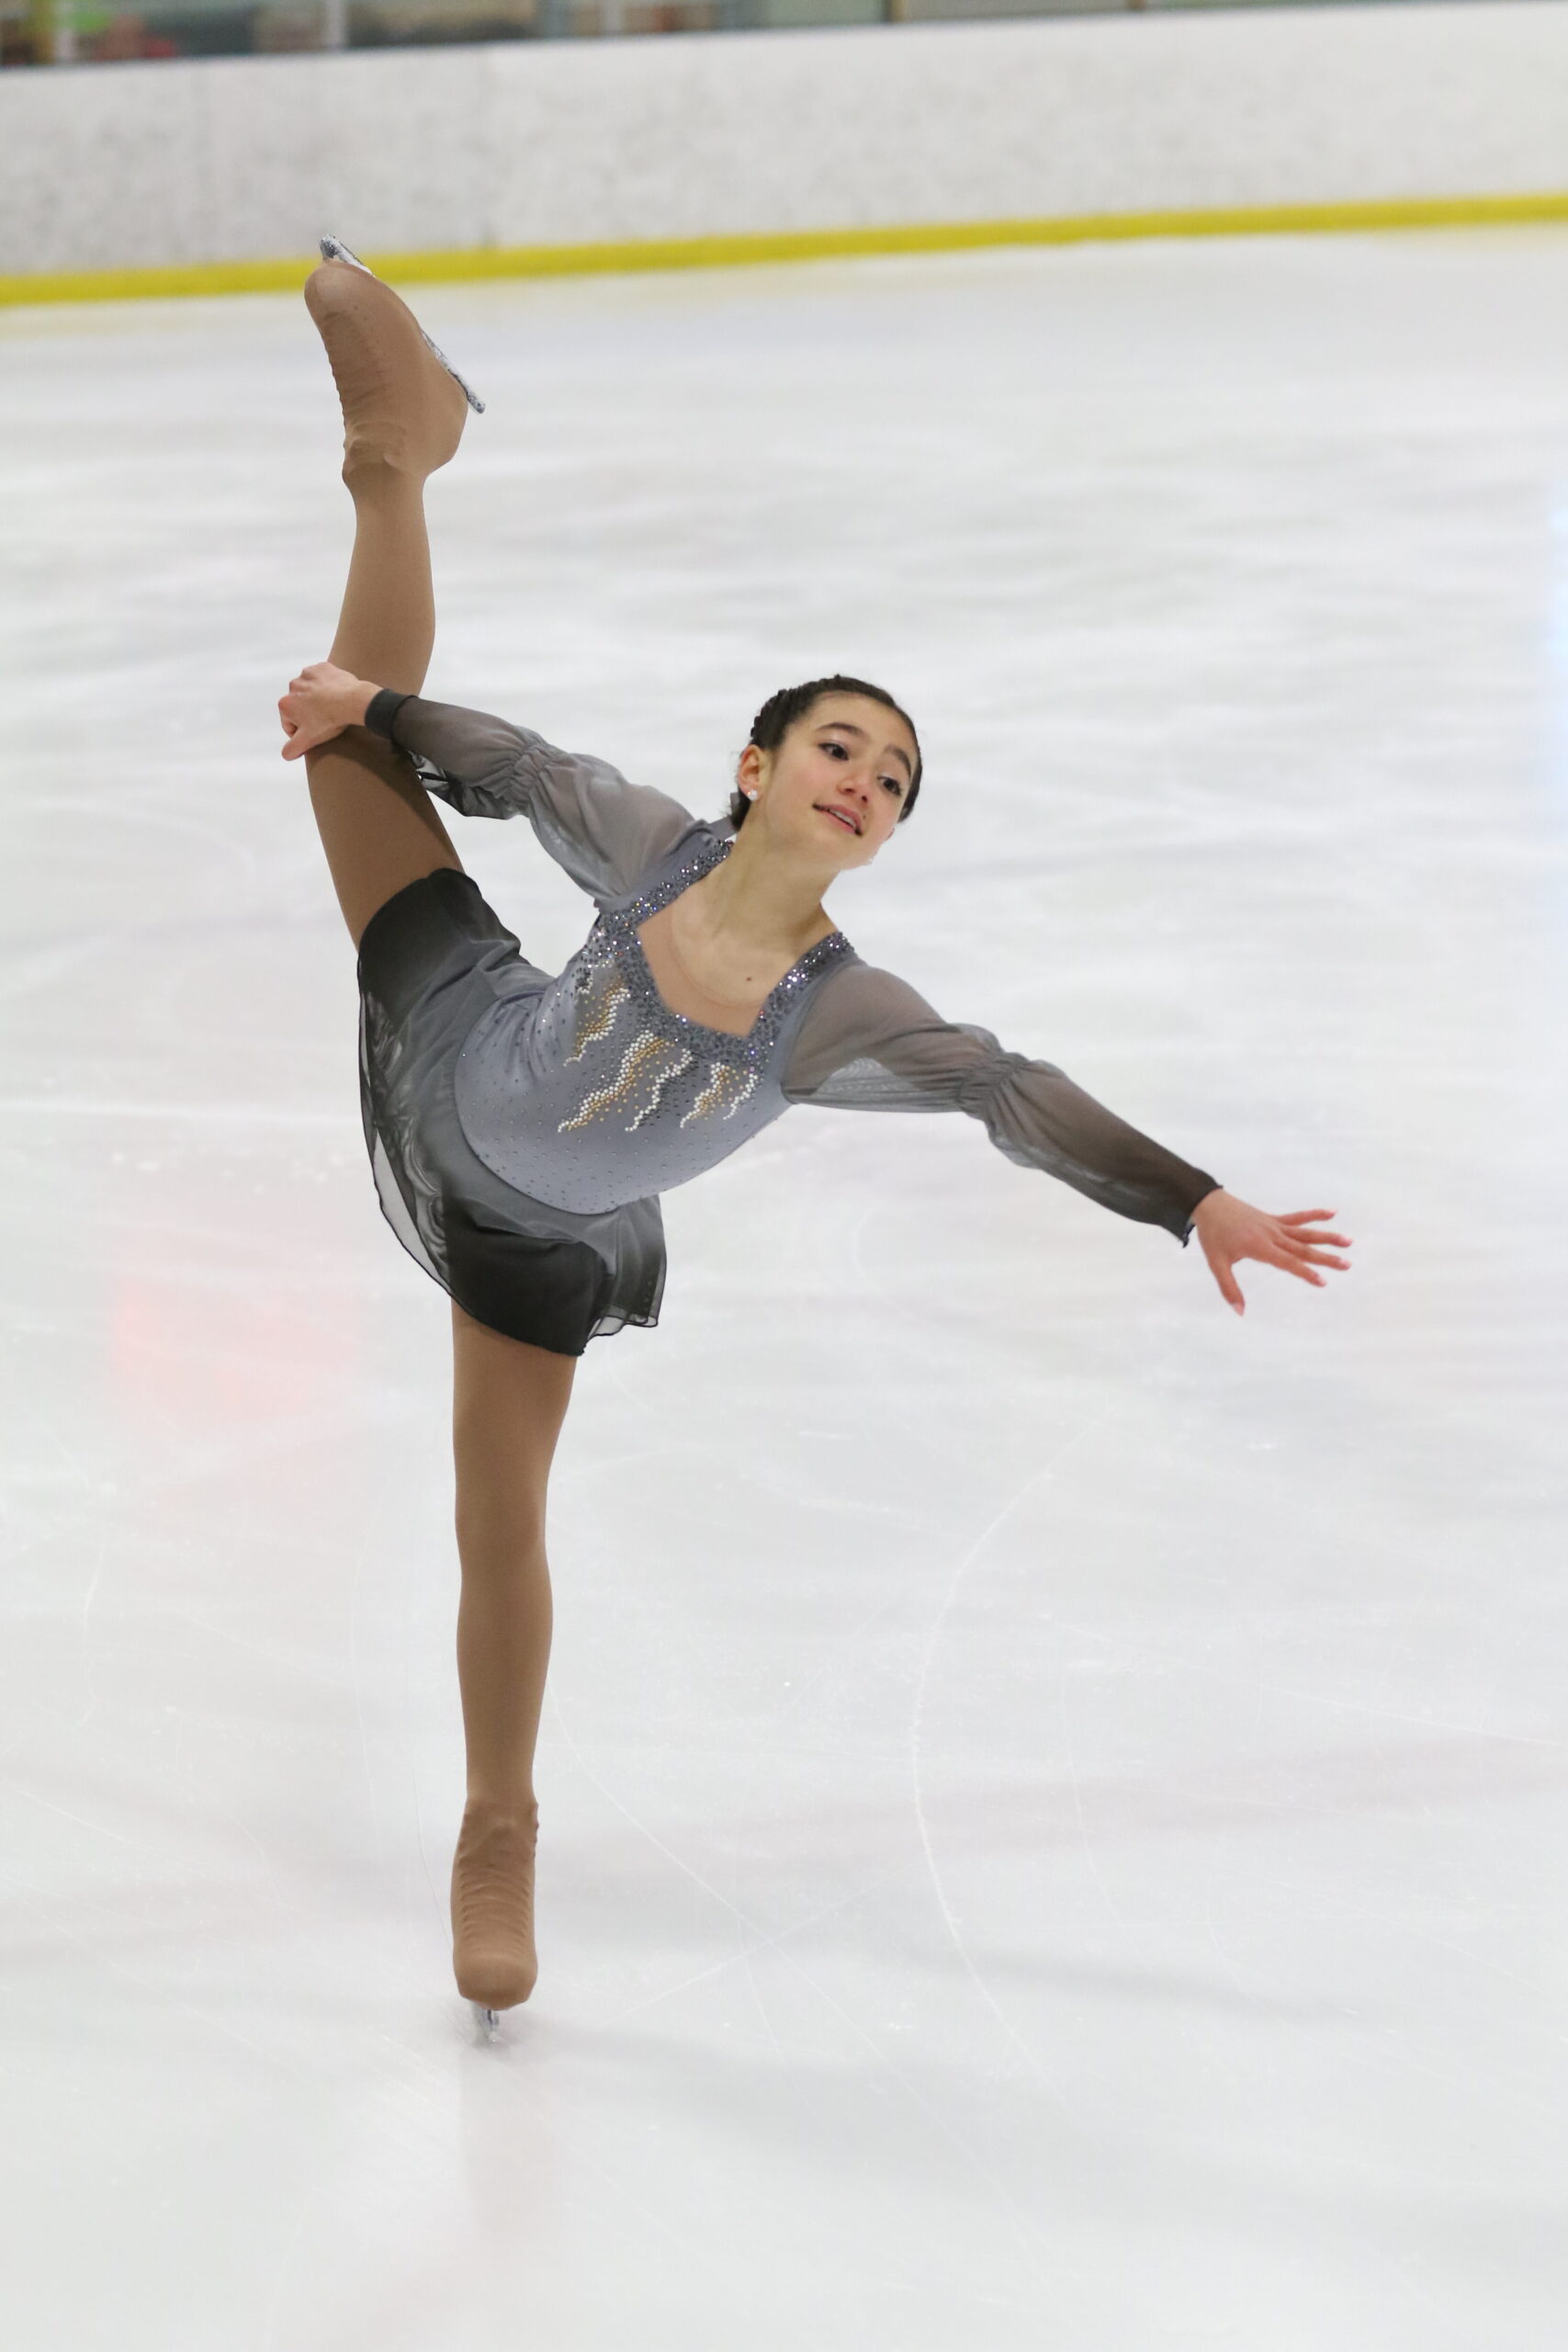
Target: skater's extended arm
column 603, row 829
column 869, row 1041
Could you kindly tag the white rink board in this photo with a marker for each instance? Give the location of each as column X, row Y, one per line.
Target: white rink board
column 568, row 142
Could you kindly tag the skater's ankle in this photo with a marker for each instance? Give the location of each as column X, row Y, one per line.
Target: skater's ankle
column 518, row 1808
column 373, row 480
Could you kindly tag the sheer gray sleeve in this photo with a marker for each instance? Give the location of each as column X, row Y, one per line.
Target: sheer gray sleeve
column 868, row 1042
column 604, row 831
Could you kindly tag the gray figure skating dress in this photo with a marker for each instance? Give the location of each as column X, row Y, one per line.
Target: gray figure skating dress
column 522, row 1125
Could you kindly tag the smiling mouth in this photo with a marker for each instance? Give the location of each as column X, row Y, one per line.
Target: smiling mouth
column 839, row 818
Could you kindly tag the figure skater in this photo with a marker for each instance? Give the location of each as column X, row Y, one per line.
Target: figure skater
column 522, row 1125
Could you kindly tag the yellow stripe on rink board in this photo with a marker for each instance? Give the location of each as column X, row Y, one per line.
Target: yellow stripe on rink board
column 793, row 245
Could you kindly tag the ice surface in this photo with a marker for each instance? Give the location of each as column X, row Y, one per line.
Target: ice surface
column 1053, row 1797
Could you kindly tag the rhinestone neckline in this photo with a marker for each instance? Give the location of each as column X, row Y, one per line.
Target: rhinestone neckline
column 623, row 923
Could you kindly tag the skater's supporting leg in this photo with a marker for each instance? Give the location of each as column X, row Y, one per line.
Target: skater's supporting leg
column 509, row 1401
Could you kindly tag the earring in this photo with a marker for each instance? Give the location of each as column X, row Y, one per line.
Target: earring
column 750, row 796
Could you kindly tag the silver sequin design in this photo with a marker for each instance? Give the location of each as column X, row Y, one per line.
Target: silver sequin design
column 726, row 1085
column 613, row 972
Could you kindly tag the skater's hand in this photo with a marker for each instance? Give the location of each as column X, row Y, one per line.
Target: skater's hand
column 320, row 702
column 1231, row 1229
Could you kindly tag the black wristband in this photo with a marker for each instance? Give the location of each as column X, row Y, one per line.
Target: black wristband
column 382, row 710
column 1185, row 1236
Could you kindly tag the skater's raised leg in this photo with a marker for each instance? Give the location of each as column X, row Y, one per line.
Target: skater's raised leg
column 402, row 418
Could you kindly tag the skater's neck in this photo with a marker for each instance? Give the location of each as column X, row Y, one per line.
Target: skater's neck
column 764, row 898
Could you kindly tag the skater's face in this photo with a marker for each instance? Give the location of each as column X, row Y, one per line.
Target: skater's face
column 846, row 753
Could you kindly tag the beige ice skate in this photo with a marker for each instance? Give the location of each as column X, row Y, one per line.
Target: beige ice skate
column 492, row 1910
column 404, row 405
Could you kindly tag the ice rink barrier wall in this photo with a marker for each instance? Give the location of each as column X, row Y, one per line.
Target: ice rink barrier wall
column 506, row 158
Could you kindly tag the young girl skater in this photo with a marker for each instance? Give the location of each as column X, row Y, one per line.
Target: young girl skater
column 522, row 1127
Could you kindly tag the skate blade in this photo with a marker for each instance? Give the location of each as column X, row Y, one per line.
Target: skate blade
column 333, row 249
column 489, row 2020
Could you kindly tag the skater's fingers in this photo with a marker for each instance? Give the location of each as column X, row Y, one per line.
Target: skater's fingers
column 1300, row 1245
column 1323, row 1258
column 307, row 738
column 1302, row 1237
column 1292, row 1265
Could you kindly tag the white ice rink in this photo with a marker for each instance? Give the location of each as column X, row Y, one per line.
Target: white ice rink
column 1053, row 1797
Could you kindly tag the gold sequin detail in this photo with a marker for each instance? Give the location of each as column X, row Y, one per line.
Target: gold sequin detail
column 634, row 1061
column 599, row 1023
column 723, row 1078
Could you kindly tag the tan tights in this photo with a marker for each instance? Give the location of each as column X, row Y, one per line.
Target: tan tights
column 380, row 831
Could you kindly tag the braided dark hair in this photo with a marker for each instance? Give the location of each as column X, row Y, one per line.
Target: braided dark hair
column 780, row 712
